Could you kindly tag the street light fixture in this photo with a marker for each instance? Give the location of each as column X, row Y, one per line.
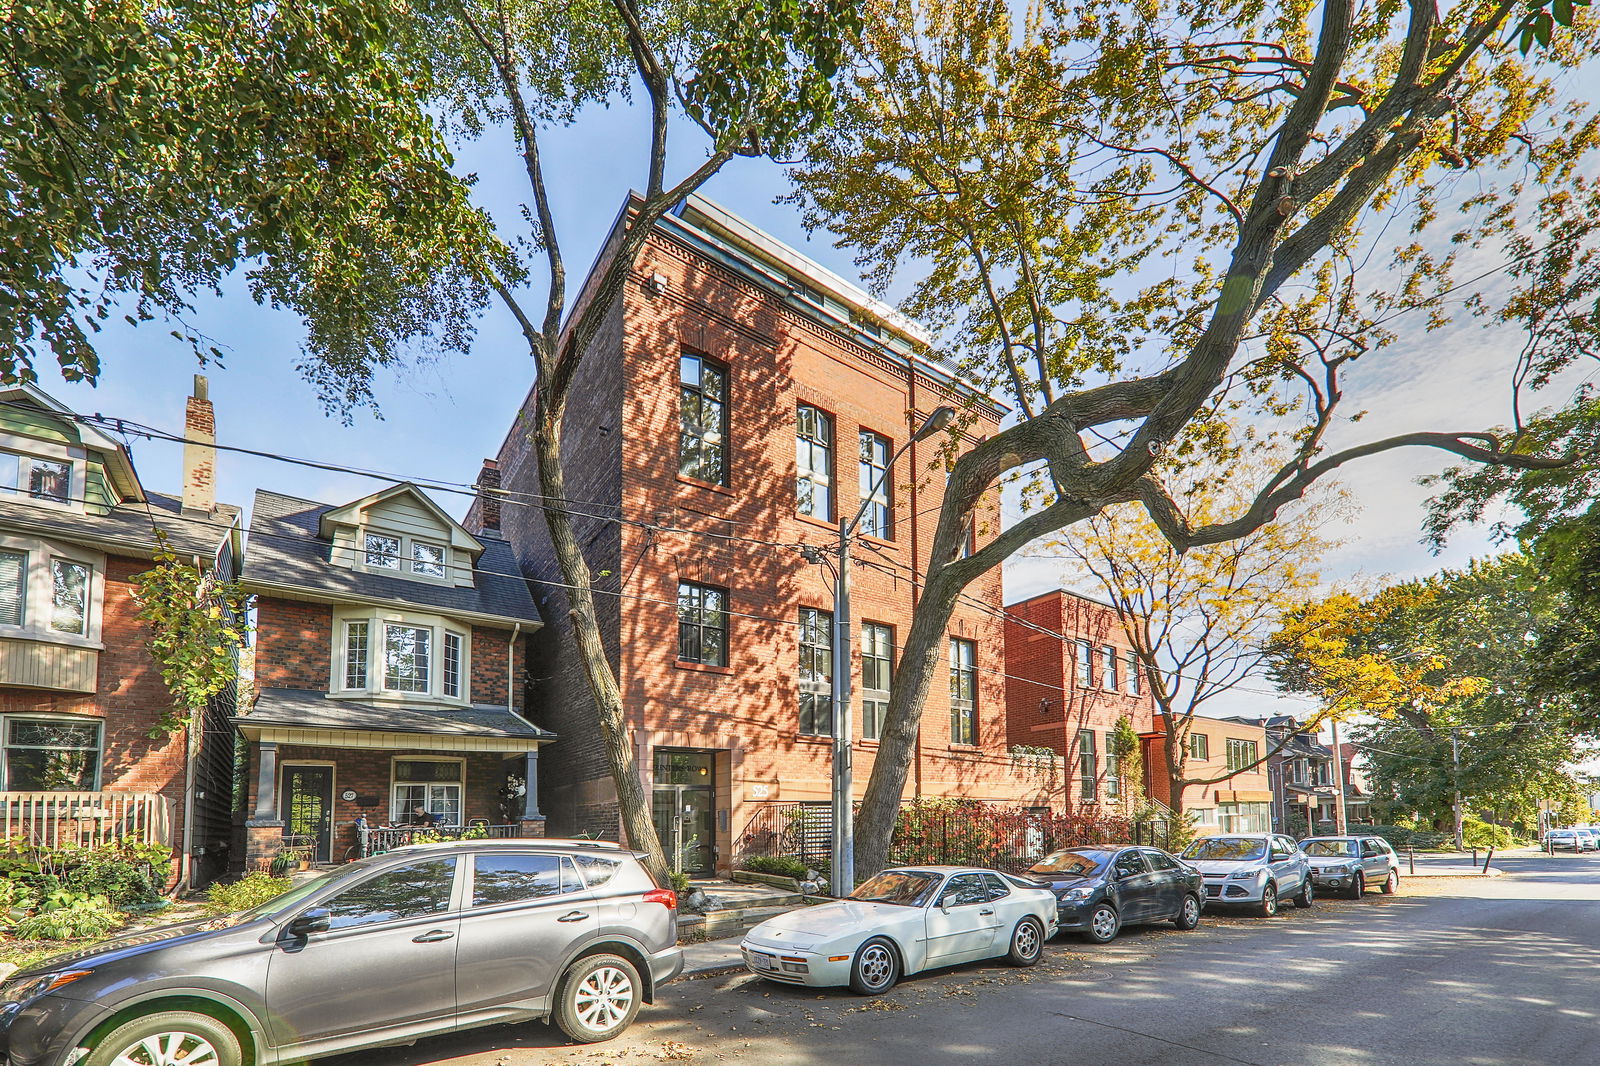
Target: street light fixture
column 843, row 877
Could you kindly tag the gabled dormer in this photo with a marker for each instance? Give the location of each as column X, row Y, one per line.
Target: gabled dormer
column 50, row 459
column 399, row 532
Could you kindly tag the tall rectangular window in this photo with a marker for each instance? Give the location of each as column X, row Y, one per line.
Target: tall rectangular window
column 1241, row 753
column 816, row 672
column 49, row 480
column 1086, row 765
column 1085, row 664
column 1133, row 673
column 356, row 635
column 69, row 597
column 813, row 454
column 406, row 658
column 1113, row 768
column 383, row 551
column 702, row 624
column 452, row 665
column 877, row 667
column 427, row 559
column 963, row 691
column 702, row 420
column 13, row 587
column 877, row 520
column 1199, row 747
column 1108, row 667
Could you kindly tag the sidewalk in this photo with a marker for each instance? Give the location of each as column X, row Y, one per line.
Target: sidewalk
column 1456, row 863
column 712, row 956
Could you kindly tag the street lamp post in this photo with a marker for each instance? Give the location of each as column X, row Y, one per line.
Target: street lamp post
column 844, row 821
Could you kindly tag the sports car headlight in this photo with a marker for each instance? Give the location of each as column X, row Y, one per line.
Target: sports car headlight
column 1244, row 875
column 22, row 989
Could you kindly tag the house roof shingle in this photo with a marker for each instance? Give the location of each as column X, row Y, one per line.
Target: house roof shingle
column 306, row 709
column 127, row 529
column 285, row 550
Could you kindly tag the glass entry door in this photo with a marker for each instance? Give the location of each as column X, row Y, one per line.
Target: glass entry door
column 684, row 809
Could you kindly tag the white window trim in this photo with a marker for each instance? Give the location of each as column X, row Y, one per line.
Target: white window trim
column 26, row 448
column 395, row 782
column 39, row 593
column 376, row 620
column 66, row 719
column 405, row 556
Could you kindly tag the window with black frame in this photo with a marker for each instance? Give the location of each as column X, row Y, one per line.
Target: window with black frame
column 816, row 672
column 702, row 624
column 703, row 420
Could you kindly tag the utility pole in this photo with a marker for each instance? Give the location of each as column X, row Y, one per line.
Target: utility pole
column 1339, row 823
column 1455, row 759
column 843, row 875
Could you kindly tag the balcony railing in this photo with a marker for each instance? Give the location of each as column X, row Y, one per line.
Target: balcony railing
column 88, row 819
column 376, row 841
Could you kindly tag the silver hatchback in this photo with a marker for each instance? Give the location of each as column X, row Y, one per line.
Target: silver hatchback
column 1352, row 864
column 422, row 940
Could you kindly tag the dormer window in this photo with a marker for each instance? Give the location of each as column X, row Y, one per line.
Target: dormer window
column 427, row 559
column 41, row 479
column 383, row 551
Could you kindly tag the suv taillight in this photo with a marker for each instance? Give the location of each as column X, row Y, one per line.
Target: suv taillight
column 664, row 896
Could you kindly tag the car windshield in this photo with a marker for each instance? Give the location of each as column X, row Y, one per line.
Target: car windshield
column 1329, row 849
column 1070, row 864
column 1226, row 849
column 906, row 888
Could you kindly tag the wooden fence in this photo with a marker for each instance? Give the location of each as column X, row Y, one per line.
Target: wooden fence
column 88, row 819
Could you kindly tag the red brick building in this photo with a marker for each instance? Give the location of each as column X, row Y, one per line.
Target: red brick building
column 733, row 408
column 390, row 646
column 79, row 691
column 1070, row 675
column 1241, row 803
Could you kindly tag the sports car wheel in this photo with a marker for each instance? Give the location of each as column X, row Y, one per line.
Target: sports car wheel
column 875, row 969
column 1358, row 885
column 1104, row 924
column 1391, row 883
column 1027, row 943
column 1188, row 914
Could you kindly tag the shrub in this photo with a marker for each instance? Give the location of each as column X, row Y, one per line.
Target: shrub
column 124, row 872
column 1477, row 833
column 1400, row 837
column 778, row 865
column 678, row 881
column 68, row 915
column 252, row 890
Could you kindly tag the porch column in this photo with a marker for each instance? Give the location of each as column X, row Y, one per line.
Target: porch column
column 530, row 799
column 266, row 784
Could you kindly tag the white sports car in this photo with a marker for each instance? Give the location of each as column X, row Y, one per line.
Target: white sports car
column 903, row 921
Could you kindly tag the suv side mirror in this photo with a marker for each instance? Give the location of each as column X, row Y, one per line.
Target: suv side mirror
column 314, row 920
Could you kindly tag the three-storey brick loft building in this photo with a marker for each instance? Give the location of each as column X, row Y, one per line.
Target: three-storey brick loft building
column 740, row 400
column 389, row 657
column 80, row 693
column 1070, row 675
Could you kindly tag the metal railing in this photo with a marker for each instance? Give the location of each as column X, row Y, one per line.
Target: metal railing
column 376, row 841
column 799, row 830
column 88, row 819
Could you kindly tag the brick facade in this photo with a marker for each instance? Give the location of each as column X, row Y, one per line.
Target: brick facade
column 1214, row 800
column 622, row 456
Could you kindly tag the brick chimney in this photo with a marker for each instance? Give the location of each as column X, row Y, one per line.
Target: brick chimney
column 488, row 496
column 199, row 451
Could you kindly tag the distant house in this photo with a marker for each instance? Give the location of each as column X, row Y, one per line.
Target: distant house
column 1218, row 748
column 389, row 676
column 79, row 692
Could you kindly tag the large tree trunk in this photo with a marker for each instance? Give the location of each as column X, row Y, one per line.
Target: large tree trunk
column 637, row 826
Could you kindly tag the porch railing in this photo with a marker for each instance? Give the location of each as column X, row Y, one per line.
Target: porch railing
column 376, row 841
column 88, row 819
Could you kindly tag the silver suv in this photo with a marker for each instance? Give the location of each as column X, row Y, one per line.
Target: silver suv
column 1258, row 869
column 421, row 940
column 1352, row 864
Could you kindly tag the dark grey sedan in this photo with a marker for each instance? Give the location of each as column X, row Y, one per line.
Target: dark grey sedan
column 419, row 941
column 1100, row 889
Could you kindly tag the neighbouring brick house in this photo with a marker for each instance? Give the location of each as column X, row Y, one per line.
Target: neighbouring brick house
column 388, row 674
column 730, row 411
column 1240, row 804
column 1300, row 774
column 79, row 691
column 1070, row 674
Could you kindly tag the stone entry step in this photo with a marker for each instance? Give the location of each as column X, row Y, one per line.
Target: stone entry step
column 737, row 906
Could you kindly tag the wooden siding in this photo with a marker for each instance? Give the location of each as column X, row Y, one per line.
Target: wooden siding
column 38, row 664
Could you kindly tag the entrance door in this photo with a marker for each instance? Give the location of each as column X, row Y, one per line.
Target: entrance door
column 308, row 792
column 684, row 809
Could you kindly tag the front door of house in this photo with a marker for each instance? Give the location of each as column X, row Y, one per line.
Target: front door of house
column 308, row 820
column 684, row 809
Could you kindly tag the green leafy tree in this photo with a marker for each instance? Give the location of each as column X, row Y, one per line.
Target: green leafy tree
column 1136, row 221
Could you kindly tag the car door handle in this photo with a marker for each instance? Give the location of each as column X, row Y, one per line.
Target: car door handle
column 987, row 911
column 572, row 916
column 432, row 936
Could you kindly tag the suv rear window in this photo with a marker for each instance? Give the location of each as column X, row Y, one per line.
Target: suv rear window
column 595, row 870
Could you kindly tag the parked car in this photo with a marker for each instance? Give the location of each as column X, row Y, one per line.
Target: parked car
column 1352, row 864
column 1570, row 839
column 1591, row 836
column 1257, row 869
column 901, row 922
column 1099, row 890
column 422, row 940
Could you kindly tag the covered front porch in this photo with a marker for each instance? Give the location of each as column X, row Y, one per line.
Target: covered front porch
column 335, row 780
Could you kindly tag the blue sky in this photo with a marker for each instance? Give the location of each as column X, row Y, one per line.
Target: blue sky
column 440, row 420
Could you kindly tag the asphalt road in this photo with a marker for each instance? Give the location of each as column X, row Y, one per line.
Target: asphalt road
column 1449, row 972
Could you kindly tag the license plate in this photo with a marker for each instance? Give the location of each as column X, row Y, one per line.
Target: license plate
column 762, row 961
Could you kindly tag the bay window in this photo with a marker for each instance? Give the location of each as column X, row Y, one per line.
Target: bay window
column 49, row 592
column 69, row 599
column 409, row 656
